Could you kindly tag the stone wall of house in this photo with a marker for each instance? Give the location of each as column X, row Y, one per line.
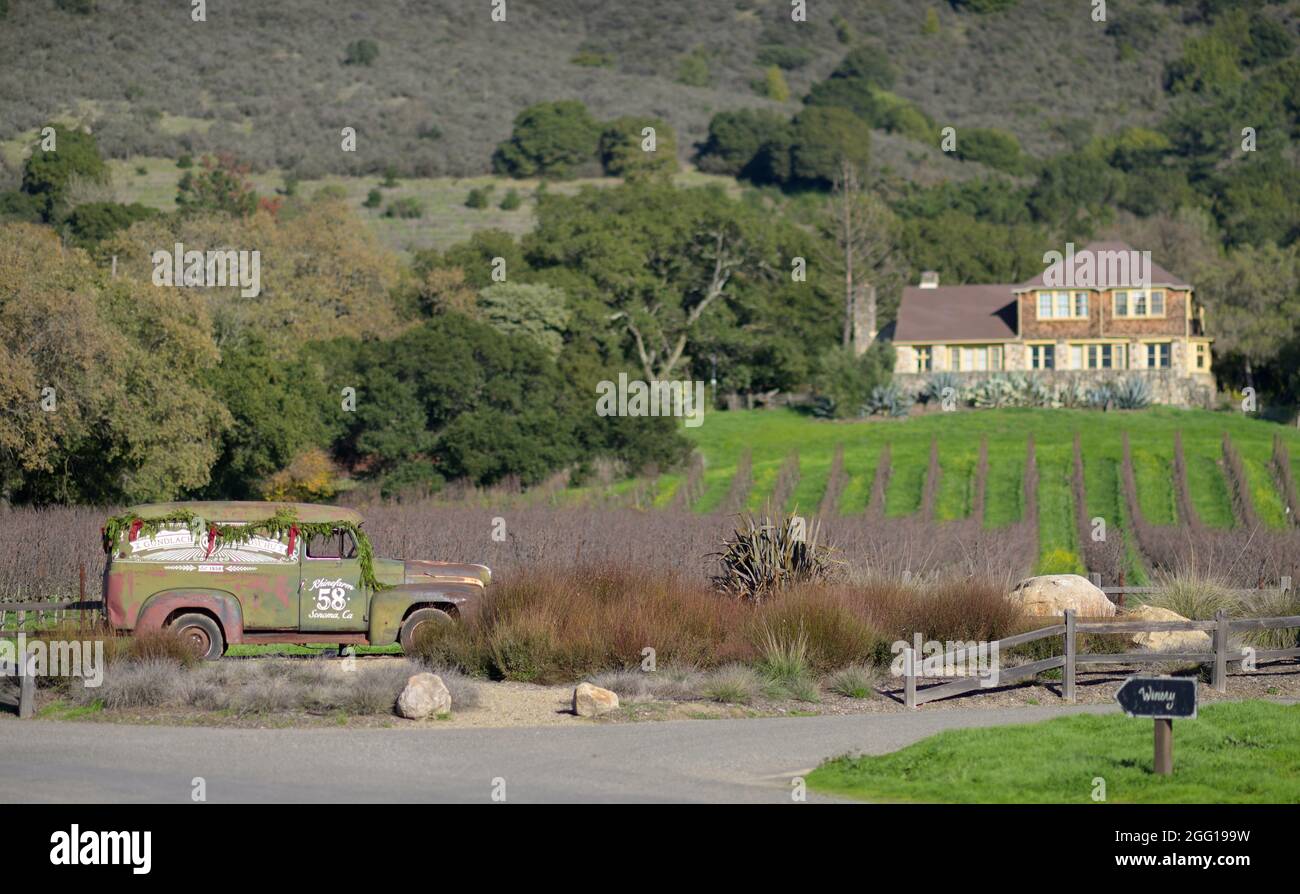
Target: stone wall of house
column 1168, row 386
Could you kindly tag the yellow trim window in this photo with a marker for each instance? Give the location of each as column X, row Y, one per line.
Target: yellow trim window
column 1094, row 355
column 1062, row 306
column 975, row 358
column 1129, row 305
column 1158, row 354
column 924, row 359
column 1202, row 355
column 1042, row 356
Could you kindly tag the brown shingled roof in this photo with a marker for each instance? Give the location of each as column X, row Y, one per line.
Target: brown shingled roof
column 1159, row 275
column 957, row 313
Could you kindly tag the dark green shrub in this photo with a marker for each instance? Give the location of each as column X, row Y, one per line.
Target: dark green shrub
column 736, row 140
column 550, row 139
column 823, row 138
column 788, row 58
column 94, row 221
column 990, row 146
column 361, row 52
column 479, row 197
column 621, row 152
column 406, row 208
column 511, row 200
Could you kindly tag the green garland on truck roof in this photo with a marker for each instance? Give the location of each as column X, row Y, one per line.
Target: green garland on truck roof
column 277, row 526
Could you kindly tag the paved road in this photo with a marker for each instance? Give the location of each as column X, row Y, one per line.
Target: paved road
column 669, row 761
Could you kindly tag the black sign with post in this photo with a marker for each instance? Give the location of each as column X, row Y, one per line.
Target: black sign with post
column 1162, row 699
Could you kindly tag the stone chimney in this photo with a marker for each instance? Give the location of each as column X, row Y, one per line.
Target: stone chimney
column 929, row 280
column 864, row 318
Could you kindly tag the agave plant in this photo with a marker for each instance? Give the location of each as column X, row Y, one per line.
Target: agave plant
column 1100, row 397
column 765, row 553
column 886, row 400
column 1071, row 394
column 822, row 407
column 1132, row 393
column 938, row 384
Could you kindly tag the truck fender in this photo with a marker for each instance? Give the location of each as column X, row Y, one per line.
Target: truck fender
column 221, row 605
column 389, row 607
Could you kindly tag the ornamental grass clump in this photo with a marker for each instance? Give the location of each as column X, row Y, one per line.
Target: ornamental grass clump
column 765, row 554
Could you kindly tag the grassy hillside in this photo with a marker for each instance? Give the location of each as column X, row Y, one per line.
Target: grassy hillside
column 445, row 219
column 768, row 438
column 268, row 81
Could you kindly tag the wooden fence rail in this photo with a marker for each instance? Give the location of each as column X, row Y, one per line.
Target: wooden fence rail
column 94, row 608
column 1220, row 654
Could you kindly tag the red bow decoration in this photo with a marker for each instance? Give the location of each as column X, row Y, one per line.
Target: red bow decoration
column 135, row 530
column 293, row 538
column 212, row 538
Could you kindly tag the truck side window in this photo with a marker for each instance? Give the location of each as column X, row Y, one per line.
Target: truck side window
column 349, row 548
column 324, row 546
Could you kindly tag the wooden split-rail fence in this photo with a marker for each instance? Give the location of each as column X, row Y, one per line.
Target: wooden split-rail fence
column 1221, row 654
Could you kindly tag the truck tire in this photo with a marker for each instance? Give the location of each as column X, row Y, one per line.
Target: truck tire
column 202, row 634
column 417, row 620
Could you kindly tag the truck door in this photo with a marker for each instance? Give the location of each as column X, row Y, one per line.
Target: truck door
column 331, row 595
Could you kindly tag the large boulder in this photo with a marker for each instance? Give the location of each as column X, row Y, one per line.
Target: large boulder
column 1168, row 640
column 1049, row 595
column 592, row 701
column 425, row 694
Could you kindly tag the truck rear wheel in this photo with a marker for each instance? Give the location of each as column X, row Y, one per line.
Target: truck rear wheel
column 202, row 634
column 418, row 621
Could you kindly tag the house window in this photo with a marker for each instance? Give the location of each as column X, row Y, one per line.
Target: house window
column 1042, row 356
column 1202, row 354
column 976, row 358
column 923, row 359
column 1099, row 356
column 1140, row 304
column 1062, row 305
column 1158, row 355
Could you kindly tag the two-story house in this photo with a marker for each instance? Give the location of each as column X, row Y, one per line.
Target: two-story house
column 1111, row 320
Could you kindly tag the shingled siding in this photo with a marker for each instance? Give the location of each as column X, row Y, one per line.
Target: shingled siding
column 1102, row 322
column 1168, row 386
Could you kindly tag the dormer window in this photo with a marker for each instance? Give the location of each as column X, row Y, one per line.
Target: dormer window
column 1062, row 306
column 1140, row 304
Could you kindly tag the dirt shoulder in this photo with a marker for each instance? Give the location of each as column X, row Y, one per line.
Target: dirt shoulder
column 508, row 705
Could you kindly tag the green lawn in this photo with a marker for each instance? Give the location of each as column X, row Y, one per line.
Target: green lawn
column 1241, row 752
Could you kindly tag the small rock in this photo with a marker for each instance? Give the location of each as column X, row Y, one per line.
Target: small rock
column 424, row 694
column 592, row 701
column 1167, row 640
column 1049, row 595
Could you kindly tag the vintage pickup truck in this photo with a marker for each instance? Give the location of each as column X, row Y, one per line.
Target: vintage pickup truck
column 248, row 572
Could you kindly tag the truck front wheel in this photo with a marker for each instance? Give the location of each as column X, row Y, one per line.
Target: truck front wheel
column 418, row 622
column 202, row 634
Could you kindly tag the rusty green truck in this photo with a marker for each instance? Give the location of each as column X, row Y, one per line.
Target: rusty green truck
column 221, row 573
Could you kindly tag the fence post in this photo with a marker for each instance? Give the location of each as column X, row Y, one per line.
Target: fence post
column 27, row 686
column 1095, row 577
column 1221, row 651
column 1285, row 585
column 909, row 679
column 1070, row 646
